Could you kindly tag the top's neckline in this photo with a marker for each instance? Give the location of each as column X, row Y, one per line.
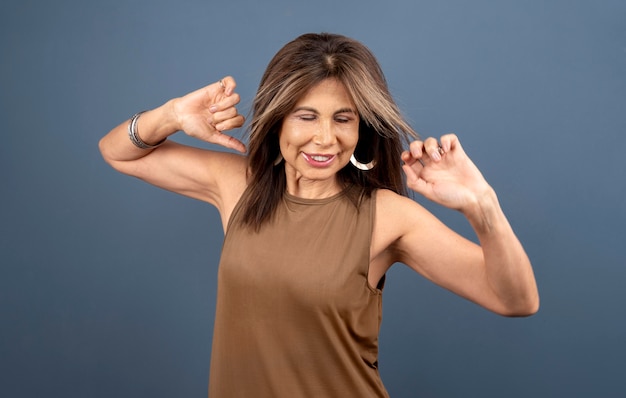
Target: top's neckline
column 305, row 201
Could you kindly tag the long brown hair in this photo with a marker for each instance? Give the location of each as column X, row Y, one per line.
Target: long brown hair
column 295, row 69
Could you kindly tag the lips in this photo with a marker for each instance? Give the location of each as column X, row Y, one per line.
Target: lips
column 318, row 160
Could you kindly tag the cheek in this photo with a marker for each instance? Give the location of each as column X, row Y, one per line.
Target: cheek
column 292, row 135
column 349, row 138
column 287, row 139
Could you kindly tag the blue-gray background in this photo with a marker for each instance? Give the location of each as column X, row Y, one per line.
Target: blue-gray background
column 107, row 285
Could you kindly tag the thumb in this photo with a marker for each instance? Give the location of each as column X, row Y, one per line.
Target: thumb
column 413, row 181
column 228, row 141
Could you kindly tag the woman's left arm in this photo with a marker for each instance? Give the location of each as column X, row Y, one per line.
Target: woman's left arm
column 497, row 274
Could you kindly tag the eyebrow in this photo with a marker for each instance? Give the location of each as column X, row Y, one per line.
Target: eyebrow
column 309, row 109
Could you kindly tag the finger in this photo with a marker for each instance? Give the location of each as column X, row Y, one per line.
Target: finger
column 415, row 148
column 226, row 114
column 449, row 141
column 225, row 103
column 406, row 156
column 411, row 175
column 409, row 159
column 412, row 166
column 416, row 166
column 413, row 180
column 232, row 123
column 228, row 84
column 433, row 149
column 228, row 142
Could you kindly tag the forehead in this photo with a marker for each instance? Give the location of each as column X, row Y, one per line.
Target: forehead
column 328, row 93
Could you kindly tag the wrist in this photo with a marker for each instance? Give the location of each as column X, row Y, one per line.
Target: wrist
column 133, row 133
column 157, row 124
column 165, row 120
column 484, row 211
column 170, row 116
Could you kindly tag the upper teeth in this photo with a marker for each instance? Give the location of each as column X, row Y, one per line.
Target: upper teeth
column 320, row 158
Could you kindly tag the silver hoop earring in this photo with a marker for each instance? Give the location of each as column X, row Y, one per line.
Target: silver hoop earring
column 362, row 166
column 279, row 159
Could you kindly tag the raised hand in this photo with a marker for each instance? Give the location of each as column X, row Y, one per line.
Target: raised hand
column 207, row 112
column 442, row 172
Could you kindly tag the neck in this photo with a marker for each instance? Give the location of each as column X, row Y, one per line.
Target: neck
column 312, row 189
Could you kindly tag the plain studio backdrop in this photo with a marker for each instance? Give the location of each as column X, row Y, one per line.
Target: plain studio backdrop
column 107, row 285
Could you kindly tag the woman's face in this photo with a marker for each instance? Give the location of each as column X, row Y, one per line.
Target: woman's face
column 318, row 137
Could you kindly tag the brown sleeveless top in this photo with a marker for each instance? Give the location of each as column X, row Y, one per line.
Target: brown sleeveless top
column 295, row 314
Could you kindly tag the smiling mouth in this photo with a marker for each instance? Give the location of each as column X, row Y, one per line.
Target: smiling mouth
column 318, row 160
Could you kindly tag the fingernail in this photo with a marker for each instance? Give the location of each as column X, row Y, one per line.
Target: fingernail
column 435, row 155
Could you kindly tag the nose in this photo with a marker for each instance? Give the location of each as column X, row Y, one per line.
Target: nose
column 325, row 136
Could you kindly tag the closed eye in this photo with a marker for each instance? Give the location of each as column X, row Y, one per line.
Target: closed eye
column 307, row 117
column 343, row 119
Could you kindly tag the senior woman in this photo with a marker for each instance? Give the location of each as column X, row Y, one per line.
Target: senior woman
column 316, row 213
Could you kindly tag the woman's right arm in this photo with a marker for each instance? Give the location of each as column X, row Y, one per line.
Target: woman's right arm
column 214, row 177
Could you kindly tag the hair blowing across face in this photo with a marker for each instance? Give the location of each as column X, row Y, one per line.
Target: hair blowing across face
column 297, row 67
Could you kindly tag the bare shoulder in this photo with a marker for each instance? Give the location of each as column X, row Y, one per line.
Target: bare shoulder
column 397, row 210
column 400, row 222
column 395, row 215
column 386, row 197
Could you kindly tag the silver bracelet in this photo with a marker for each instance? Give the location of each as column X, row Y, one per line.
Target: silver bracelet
column 134, row 135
